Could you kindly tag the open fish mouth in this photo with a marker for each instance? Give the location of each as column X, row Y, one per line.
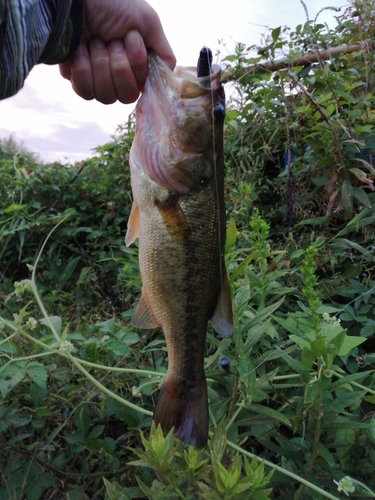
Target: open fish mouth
column 173, row 117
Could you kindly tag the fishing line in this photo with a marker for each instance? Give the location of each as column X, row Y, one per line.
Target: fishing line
column 204, row 69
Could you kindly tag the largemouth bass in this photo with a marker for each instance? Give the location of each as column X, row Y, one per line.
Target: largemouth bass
column 178, row 214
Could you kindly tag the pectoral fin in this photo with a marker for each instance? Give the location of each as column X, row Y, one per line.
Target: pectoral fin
column 133, row 225
column 174, row 219
column 222, row 319
column 143, row 317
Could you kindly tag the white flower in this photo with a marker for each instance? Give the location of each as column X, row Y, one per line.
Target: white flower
column 66, row 346
column 345, row 485
column 31, row 323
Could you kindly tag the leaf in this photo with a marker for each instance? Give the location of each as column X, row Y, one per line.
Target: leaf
column 326, row 454
column 318, row 347
column 96, row 431
column 316, row 221
column 14, row 207
column 349, row 343
column 345, row 244
column 368, row 165
column 359, row 221
column 347, row 379
column 55, row 321
column 38, row 373
column 67, row 273
column 231, row 234
column 276, row 33
column 265, row 313
column 116, row 492
column 82, row 419
column 372, row 429
column 270, row 413
column 328, row 309
column 10, row 417
column 330, row 109
column 361, row 196
column 10, row 376
column 297, row 366
column 347, row 196
column 218, row 443
column 360, row 174
column 255, row 334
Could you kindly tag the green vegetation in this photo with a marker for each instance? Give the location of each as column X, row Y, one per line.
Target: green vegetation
column 292, row 415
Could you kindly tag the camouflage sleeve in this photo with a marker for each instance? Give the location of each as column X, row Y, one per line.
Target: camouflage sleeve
column 32, row 32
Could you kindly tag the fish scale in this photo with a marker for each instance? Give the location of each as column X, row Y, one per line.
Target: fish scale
column 178, row 214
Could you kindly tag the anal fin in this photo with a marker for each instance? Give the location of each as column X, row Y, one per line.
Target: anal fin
column 143, row 317
column 222, row 319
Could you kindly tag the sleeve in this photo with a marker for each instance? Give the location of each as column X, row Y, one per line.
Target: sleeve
column 32, row 32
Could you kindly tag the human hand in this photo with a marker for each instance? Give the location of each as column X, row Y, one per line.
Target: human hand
column 110, row 62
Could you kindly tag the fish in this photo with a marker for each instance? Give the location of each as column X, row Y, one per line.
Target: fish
column 178, row 215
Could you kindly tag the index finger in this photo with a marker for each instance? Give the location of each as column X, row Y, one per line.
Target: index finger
column 154, row 38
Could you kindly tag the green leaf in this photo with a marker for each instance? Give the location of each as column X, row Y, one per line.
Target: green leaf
column 357, row 222
column 96, row 431
column 218, row 443
column 326, row 454
column 361, row 196
column 231, row 234
column 330, row 109
column 360, row 174
column 349, row 343
column 38, row 373
column 68, row 271
column 318, row 347
column 372, row 429
column 14, row 207
column 270, row 413
column 316, row 221
column 347, row 196
column 276, row 33
column 55, row 321
column 297, row 366
column 116, row 492
column 82, row 419
column 10, row 376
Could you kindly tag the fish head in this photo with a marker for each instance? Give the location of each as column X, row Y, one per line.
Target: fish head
column 180, row 117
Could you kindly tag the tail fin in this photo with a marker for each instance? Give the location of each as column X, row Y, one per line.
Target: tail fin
column 185, row 409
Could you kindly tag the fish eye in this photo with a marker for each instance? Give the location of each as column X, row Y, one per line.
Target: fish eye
column 219, row 112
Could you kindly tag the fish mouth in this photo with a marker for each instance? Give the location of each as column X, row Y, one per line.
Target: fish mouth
column 175, row 115
column 183, row 80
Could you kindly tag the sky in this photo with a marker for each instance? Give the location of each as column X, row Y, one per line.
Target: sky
column 50, row 119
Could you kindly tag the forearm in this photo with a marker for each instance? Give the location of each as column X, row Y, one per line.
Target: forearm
column 33, row 32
